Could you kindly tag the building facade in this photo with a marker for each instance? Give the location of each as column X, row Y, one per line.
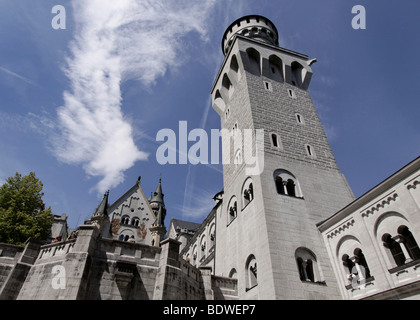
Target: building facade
column 285, row 226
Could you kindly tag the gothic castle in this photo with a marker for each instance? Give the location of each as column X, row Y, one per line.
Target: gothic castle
column 292, row 231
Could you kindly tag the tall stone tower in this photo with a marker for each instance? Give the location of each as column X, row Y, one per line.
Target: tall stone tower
column 266, row 229
column 157, row 204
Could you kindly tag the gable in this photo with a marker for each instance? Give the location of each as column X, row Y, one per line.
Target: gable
column 131, row 215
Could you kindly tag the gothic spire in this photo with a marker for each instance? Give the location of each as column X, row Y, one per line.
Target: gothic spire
column 103, row 206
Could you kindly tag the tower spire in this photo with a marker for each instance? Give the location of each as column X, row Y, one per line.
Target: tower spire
column 157, row 204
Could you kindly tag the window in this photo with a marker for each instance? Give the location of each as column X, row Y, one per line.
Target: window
column 291, row 93
column 251, row 272
column 307, row 265
column 238, row 157
column 361, row 261
column 299, row 118
column 247, row 192
column 403, row 247
column 227, row 113
column 310, row 151
column 394, row 248
column 232, row 209
column 233, row 274
column 276, row 67
column 227, row 86
column 297, row 70
column 409, row 242
column 286, row 184
column 356, row 268
column 275, row 141
column 268, row 86
column 254, row 61
column 135, row 222
column 125, row 220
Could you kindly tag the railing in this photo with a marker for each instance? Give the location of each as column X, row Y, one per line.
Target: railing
column 56, row 249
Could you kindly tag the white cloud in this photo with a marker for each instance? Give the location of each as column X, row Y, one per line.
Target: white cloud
column 116, row 41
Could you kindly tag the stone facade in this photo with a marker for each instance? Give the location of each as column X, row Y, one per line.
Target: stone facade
column 372, row 242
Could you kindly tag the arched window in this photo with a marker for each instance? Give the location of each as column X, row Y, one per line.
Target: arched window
column 212, row 235
column 238, row 157
column 233, row 274
column 247, row 192
column 361, row 261
column 310, row 151
column 402, row 248
column 251, row 272
column 203, row 246
column 291, row 187
column 286, row 184
column 135, row 221
column 307, row 265
column 356, row 268
column 299, row 118
column 297, row 77
column 232, row 209
column 395, row 249
column 276, row 68
column 409, row 242
column 275, row 141
column 125, row 220
column 234, row 66
column 254, row 61
column 227, row 86
column 348, row 264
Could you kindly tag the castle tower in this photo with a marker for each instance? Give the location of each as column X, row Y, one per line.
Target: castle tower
column 266, row 229
column 157, row 204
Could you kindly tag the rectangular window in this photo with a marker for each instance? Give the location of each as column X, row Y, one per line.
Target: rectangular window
column 268, row 86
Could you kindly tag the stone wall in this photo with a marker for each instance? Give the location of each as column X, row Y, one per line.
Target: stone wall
column 95, row 268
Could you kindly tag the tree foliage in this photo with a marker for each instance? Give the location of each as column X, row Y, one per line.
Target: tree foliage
column 22, row 210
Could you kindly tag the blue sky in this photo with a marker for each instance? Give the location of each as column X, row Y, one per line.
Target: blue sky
column 81, row 106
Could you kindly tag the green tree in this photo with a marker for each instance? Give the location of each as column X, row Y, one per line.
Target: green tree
column 22, row 211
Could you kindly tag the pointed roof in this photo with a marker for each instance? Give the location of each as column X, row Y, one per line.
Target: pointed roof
column 158, row 195
column 103, row 206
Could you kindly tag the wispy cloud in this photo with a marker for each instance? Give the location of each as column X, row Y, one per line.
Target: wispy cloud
column 16, row 75
column 199, row 204
column 116, row 41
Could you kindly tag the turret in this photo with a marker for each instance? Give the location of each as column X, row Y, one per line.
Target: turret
column 254, row 27
column 157, row 204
